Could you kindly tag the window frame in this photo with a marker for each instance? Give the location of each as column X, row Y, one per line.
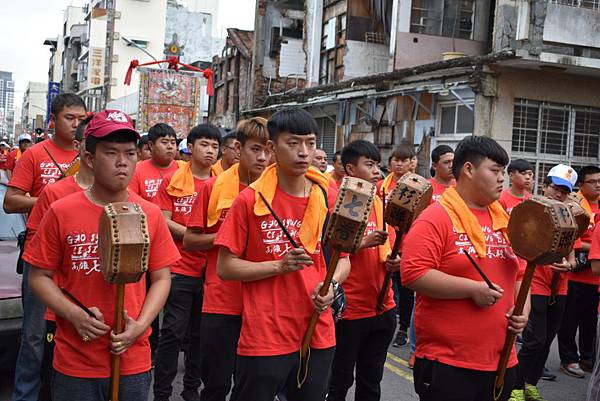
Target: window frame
column 454, row 136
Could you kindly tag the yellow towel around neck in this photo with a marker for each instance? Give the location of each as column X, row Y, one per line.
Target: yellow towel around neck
column 315, row 212
column 465, row 222
column 225, row 189
column 385, row 249
column 585, row 204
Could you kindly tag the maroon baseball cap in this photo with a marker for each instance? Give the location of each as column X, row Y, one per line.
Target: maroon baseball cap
column 106, row 122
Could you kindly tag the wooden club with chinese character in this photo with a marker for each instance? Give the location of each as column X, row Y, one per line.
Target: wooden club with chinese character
column 541, row 231
column 409, row 198
column 344, row 233
column 124, row 245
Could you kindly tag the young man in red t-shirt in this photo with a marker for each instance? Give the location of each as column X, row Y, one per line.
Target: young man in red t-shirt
column 280, row 284
column 582, row 297
column 338, row 173
column 400, row 162
column 66, row 245
column 364, row 334
column 520, row 173
column 15, row 154
column 441, row 166
column 548, row 300
column 175, row 197
column 229, row 154
column 222, row 304
column 162, row 141
column 450, row 364
column 42, row 164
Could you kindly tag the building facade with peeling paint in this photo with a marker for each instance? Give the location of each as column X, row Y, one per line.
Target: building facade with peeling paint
column 429, row 72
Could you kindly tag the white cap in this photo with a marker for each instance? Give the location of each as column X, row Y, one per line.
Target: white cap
column 563, row 175
column 183, row 146
column 4, row 144
column 24, row 137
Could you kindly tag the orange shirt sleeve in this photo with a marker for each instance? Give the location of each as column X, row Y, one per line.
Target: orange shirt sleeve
column 46, row 249
column 162, row 199
column 199, row 216
column 233, row 233
column 23, row 176
column 163, row 252
column 424, row 252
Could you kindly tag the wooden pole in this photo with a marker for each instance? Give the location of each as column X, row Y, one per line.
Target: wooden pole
column 510, row 336
column 388, row 275
column 115, row 367
column 335, row 257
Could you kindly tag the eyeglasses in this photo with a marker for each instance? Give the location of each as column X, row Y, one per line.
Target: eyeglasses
column 592, row 182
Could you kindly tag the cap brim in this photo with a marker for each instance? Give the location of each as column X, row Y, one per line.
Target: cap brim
column 562, row 182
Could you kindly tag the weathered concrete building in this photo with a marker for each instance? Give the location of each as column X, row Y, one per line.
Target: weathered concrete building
column 384, row 70
column 232, row 75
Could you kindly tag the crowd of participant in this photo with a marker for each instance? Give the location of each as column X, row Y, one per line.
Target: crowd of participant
column 236, row 295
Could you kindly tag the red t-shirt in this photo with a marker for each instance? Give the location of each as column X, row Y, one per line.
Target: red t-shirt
column 147, row 178
column 36, row 169
column 50, row 194
column 67, row 243
column 509, row 201
column 366, row 280
column 445, row 327
column 438, row 189
column 389, row 190
column 11, row 160
column 586, row 276
column 595, row 249
column 191, row 264
column 223, row 297
column 276, row 310
column 542, row 282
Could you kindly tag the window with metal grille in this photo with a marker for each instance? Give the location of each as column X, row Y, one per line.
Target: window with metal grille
column 326, row 138
column 450, row 18
column 591, row 4
column 548, row 134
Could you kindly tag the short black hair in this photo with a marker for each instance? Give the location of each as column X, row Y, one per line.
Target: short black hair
column 440, row 151
column 402, row 152
column 585, row 171
column 79, row 132
column 230, row 137
column 207, row 131
column 120, row 136
column 336, row 155
column 66, row 100
column 355, row 149
column 142, row 141
column 520, row 165
column 160, row 130
column 475, row 149
column 293, row 120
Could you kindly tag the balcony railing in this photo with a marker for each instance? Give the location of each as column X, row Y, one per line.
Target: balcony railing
column 589, row 4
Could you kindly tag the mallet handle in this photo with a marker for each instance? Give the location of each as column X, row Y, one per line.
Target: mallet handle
column 115, row 368
column 388, row 275
column 335, row 257
column 510, row 336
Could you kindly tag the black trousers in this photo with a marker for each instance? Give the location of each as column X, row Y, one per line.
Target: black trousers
column 405, row 299
column 544, row 322
column 183, row 309
column 581, row 313
column 261, row 378
column 47, row 368
column 361, row 343
column 219, row 335
column 435, row 381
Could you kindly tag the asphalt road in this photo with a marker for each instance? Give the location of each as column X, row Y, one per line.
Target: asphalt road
column 397, row 381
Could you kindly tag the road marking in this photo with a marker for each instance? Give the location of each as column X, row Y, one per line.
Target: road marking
column 399, row 372
column 397, row 359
